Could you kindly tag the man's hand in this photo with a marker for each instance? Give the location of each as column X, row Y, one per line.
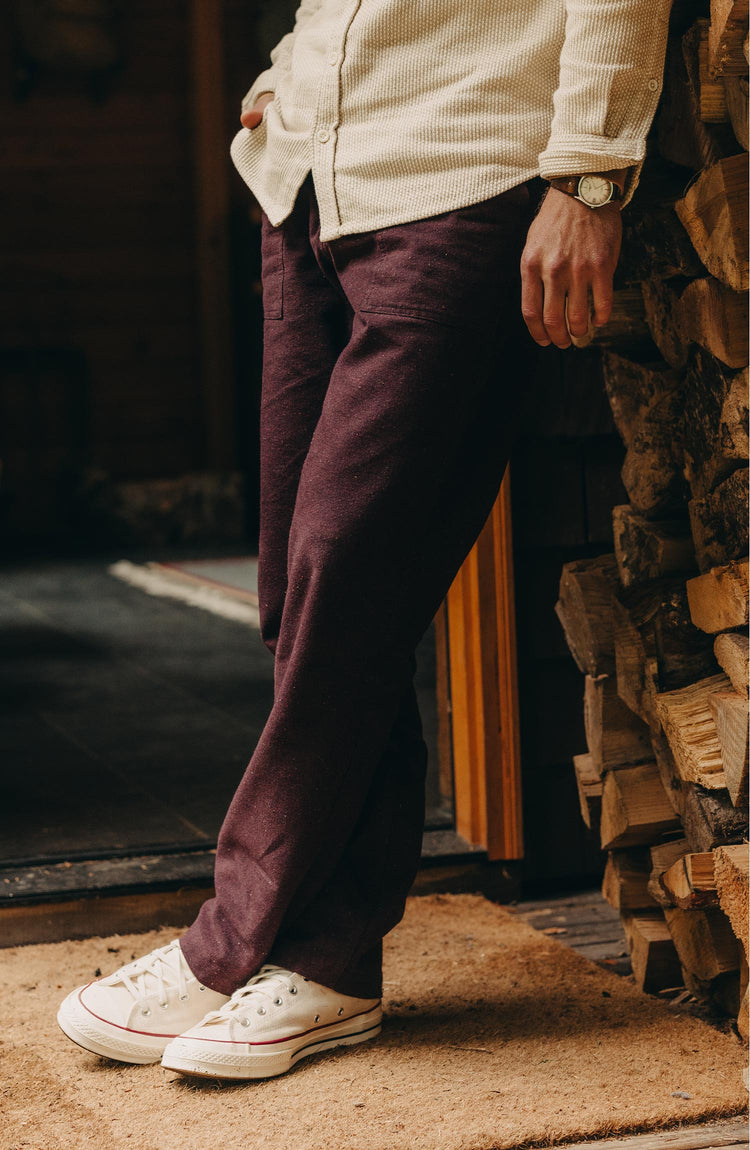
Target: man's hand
column 571, row 251
column 253, row 116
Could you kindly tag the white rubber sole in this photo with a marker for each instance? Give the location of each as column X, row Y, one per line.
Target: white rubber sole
column 105, row 1039
column 194, row 1057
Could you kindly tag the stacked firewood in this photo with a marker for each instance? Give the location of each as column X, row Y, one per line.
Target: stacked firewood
column 659, row 628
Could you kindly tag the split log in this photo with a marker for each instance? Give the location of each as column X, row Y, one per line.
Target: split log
column 689, row 883
column 733, row 422
column 636, row 667
column 683, row 138
column 729, row 710
column 651, row 471
column 663, row 314
column 714, row 316
column 632, row 387
column 635, row 808
column 731, row 871
column 708, row 818
column 626, row 327
column 625, row 883
column 691, row 731
column 743, row 1015
column 659, row 611
column 712, row 98
column 714, row 213
column 663, row 856
column 733, row 655
column 736, row 98
column 584, row 609
column 705, row 942
column 726, row 37
column 704, row 312
column 614, row 735
column 718, row 600
column 652, row 952
column 646, row 549
column 654, row 243
column 718, row 522
column 707, row 388
column 589, row 785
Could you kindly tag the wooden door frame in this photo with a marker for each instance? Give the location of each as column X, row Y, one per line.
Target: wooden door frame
column 483, row 673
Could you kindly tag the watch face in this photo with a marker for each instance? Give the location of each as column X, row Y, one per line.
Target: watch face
column 595, row 190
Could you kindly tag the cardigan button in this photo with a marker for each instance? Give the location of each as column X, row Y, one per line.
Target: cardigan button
column 653, row 85
column 324, row 136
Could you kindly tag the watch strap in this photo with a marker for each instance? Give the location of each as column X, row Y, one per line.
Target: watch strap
column 570, row 184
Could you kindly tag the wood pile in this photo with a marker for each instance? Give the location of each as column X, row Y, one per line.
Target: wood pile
column 659, row 628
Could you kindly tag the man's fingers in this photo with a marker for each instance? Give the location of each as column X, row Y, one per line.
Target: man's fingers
column 553, row 314
column 601, row 288
column 251, row 118
column 532, row 301
column 577, row 310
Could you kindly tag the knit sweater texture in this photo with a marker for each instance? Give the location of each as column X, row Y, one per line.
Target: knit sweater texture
column 403, row 109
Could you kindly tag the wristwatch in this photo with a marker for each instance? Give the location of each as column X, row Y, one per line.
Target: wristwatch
column 593, row 190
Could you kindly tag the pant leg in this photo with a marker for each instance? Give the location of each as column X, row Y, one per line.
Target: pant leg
column 401, row 472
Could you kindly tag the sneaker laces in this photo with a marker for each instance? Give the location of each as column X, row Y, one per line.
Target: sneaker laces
column 266, row 984
column 167, row 965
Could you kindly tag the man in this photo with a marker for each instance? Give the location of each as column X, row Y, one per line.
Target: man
column 396, row 148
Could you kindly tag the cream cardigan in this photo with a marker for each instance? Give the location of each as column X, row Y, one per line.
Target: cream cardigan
column 406, row 108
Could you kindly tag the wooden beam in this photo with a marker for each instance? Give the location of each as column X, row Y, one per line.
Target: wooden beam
column 484, row 691
column 211, row 174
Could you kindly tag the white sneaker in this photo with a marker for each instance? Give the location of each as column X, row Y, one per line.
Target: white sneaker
column 132, row 1014
column 270, row 1023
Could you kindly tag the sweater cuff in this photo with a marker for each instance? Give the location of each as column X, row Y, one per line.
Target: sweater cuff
column 576, row 155
column 266, row 82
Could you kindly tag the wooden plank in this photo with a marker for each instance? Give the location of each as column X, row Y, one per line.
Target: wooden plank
column 484, row 691
column 615, row 736
column 729, row 1134
column 705, row 942
column 212, row 240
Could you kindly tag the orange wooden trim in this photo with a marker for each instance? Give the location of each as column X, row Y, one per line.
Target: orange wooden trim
column 484, row 691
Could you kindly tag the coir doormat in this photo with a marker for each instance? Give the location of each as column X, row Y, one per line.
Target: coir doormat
column 496, row 1037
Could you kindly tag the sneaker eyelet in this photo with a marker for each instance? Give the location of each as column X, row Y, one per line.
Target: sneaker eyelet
column 245, row 1021
column 261, row 1010
column 341, row 1010
column 184, row 997
column 201, row 989
column 278, row 1001
column 164, row 1005
column 317, row 1018
column 145, row 1012
column 292, row 989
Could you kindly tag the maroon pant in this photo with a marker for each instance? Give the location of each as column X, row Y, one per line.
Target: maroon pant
column 394, row 367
